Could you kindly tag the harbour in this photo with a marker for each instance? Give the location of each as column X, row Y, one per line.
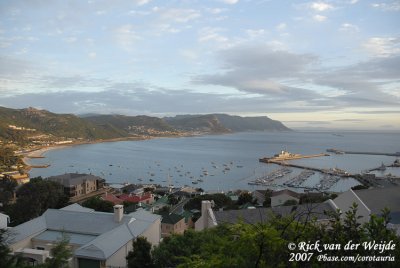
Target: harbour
column 221, row 163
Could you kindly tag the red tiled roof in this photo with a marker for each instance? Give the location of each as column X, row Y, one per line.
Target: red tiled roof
column 135, row 198
column 112, row 198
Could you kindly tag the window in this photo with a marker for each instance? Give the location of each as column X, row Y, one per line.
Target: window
column 40, row 248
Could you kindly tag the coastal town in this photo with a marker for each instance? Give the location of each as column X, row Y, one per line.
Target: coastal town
column 172, row 210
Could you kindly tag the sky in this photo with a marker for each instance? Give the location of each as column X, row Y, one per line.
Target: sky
column 310, row 64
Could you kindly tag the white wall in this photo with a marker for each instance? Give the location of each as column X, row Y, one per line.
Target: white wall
column 207, row 219
column 118, row 259
column 4, row 219
column 281, row 199
column 153, row 234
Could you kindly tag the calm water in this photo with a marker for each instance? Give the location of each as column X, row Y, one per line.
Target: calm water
column 223, row 162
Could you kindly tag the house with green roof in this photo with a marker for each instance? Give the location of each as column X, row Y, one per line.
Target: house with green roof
column 172, row 223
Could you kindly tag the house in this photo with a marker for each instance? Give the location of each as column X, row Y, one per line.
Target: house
column 112, row 198
column 17, row 176
column 172, row 223
column 146, row 198
column 77, row 185
column 97, row 239
column 259, row 195
column 280, row 197
column 210, row 218
column 372, row 202
column 4, row 221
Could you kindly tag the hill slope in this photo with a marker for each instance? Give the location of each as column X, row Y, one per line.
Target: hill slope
column 223, row 123
column 30, row 123
column 45, row 122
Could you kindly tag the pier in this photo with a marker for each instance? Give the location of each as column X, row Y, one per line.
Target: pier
column 40, row 166
column 335, row 171
column 284, row 155
column 396, row 154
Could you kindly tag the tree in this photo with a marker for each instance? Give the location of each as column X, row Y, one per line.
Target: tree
column 8, row 158
column 98, row 204
column 266, row 244
column 140, row 255
column 7, row 260
column 290, row 202
column 34, row 198
column 172, row 199
column 220, row 201
column 61, row 254
column 244, row 197
column 267, row 201
column 7, row 190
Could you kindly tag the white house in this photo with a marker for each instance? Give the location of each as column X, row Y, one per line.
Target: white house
column 97, row 239
column 280, row 197
column 372, row 201
column 210, row 218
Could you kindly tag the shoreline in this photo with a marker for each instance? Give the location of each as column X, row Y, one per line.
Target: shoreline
column 40, row 151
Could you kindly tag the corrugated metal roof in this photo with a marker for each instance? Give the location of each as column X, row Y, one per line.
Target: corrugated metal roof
column 74, row 238
column 77, row 207
column 98, row 233
column 378, row 198
column 27, row 229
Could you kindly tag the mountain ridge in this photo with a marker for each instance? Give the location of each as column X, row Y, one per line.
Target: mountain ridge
column 31, row 122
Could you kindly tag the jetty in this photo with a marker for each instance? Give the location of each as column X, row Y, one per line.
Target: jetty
column 285, row 155
column 337, row 151
column 40, row 166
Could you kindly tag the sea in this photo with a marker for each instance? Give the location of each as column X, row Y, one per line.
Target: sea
column 227, row 162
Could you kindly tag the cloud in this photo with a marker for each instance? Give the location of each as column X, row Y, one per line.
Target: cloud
column 81, row 82
column 211, row 34
column 71, row 39
column 278, row 75
column 309, row 122
column 262, row 70
column 393, row 6
column 319, row 18
column 383, row 46
column 216, row 11
column 255, row 33
column 189, row 54
column 362, row 84
column 230, row 2
column 142, row 2
column 320, row 6
column 179, row 15
column 281, row 26
column 378, row 112
column 348, row 27
column 353, row 120
column 135, row 98
column 126, row 36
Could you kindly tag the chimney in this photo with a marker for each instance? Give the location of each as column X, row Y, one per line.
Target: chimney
column 205, row 206
column 118, row 212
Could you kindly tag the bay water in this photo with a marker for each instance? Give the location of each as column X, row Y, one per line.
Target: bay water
column 221, row 162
